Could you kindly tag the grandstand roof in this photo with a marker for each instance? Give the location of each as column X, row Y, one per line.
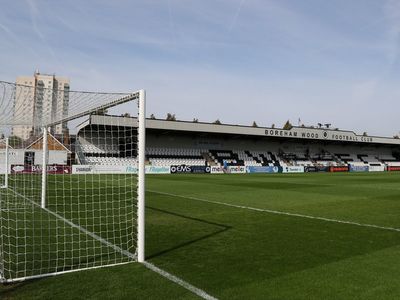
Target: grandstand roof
column 296, row 133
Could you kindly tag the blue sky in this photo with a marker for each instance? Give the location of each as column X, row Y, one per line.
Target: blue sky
column 235, row 60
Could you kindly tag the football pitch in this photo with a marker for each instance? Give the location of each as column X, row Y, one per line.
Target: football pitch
column 254, row 236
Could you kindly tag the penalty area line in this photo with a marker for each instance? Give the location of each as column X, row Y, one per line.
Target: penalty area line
column 179, row 281
column 277, row 212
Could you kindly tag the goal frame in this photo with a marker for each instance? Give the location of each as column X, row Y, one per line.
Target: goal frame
column 138, row 98
column 6, row 153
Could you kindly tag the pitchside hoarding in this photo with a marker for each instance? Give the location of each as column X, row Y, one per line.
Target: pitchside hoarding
column 380, row 168
column 110, row 169
column 393, row 168
column 265, row 169
column 236, row 169
column 181, row 169
column 37, row 169
column 293, row 169
column 336, row 169
column 357, row 168
column 217, row 170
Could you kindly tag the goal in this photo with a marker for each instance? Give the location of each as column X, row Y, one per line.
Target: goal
column 72, row 180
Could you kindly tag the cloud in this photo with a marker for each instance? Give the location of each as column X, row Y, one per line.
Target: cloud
column 34, row 13
column 263, row 60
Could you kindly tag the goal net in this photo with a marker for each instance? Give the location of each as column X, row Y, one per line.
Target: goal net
column 71, row 180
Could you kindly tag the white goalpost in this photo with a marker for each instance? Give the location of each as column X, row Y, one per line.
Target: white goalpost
column 4, row 148
column 72, row 180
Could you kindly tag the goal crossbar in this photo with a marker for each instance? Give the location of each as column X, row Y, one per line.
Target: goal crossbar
column 134, row 96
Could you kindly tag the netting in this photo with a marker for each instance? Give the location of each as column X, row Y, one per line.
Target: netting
column 68, row 196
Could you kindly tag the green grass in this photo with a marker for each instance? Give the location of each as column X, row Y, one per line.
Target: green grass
column 234, row 253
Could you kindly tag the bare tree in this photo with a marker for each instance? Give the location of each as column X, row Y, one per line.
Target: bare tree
column 217, row 121
column 287, row 125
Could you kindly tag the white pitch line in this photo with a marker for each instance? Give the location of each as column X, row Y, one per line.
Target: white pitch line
column 80, row 228
column 277, row 212
column 148, row 265
column 180, row 282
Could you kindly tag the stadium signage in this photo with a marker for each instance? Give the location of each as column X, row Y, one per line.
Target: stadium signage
column 37, row 169
column 356, row 168
column 377, row 168
column 181, row 169
column 310, row 169
column 338, row 169
column 109, row 169
column 260, row 169
column 201, row 169
column 102, row 169
column 293, row 169
column 157, row 170
column 393, row 168
column 236, row 169
column 217, row 170
column 190, row 169
column 306, row 133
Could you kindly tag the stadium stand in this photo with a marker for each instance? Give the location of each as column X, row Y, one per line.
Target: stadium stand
column 169, row 144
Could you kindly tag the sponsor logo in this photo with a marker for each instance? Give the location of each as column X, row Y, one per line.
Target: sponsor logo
column 36, row 169
column 236, row 169
column 181, row 169
column 83, row 169
column 393, row 168
column 158, row 170
column 293, row 169
column 376, row 168
column 130, row 169
column 259, row 169
column 190, row 169
column 217, row 170
column 18, row 168
column 339, row 169
column 354, row 168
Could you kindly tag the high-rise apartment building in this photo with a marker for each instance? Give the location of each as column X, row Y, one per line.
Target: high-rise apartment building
column 40, row 99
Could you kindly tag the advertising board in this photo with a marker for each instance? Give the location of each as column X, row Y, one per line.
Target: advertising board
column 312, row 169
column 103, row 169
column 263, row 169
column 158, row 170
column 377, row 168
column 217, row 170
column 393, row 168
column 37, row 169
column 293, row 169
column 189, row 169
column 236, row 169
column 358, row 168
column 338, row 169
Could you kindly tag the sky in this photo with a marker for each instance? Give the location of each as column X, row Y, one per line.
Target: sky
column 238, row 61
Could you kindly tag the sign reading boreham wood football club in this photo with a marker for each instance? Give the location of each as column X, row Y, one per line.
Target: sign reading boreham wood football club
column 320, row 134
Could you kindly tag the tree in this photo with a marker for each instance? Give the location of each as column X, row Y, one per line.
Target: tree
column 15, row 141
column 287, row 125
column 396, row 137
column 195, row 120
column 102, row 111
column 152, row 116
column 217, row 122
column 171, row 117
column 365, row 133
column 254, row 124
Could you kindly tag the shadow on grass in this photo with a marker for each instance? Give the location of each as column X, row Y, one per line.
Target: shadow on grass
column 223, row 227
